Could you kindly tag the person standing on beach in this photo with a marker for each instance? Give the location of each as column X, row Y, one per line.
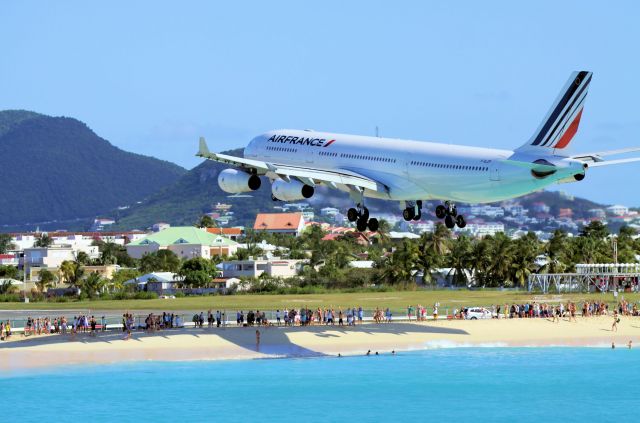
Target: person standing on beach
column 409, row 312
column 435, row 311
column 616, row 320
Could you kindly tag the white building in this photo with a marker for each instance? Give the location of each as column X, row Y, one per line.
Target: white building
column 254, row 268
column 49, row 257
column 618, row 210
column 329, row 211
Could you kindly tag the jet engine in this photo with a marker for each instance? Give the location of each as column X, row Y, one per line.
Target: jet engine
column 235, row 181
column 291, row 191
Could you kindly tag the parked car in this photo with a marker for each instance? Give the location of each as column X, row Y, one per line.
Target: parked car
column 475, row 313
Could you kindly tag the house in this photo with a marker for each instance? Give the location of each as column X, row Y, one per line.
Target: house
column 618, row 210
column 254, row 268
column 160, row 226
column 99, row 224
column 185, row 241
column 156, row 281
column 50, row 257
column 284, row 223
column 231, row 233
column 9, row 260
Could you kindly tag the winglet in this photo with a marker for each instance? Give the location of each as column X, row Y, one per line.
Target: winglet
column 203, row 151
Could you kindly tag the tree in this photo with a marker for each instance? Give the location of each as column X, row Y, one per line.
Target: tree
column 197, row 272
column 121, row 276
column 44, row 241
column 93, row 284
column 160, row 261
column 596, row 229
column 6, row 243
column 206, row 221
column 83, row 258
column 8, row 272
column 459, row 260
column 46, row 279
column 6, row 287
column 71, row 273
column 556, row 253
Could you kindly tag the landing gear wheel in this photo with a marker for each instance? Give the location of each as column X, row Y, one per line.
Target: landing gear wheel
column 361, row 225
column 352, row 214
column 441, row 212
column 449, row 222
column 408, row 214
column 373, row 224
column 460, row 222
column 417, row 217
column 364, row 215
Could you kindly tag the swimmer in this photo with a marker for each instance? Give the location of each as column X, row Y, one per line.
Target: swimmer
column 630, row 344
column 377, row 353
column 339, row 355
column 368, row 352
column 613, row 345
column 393, row 352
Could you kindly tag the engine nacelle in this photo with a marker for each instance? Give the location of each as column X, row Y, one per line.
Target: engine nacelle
column 291, row 191
column 235, row 181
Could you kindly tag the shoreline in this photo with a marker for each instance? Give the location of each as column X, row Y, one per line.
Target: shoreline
column 233, row 343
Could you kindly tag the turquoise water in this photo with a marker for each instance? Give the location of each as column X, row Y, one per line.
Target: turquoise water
column 465, row 384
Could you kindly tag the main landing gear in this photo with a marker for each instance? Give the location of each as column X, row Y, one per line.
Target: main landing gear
column 360, row 215
column 412, row 211
column 450, row 214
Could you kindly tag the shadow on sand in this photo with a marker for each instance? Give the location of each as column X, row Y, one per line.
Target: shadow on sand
column 274, row 340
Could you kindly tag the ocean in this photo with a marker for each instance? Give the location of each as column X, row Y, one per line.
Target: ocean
column 451, row 384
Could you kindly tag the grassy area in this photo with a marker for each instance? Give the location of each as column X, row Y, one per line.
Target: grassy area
column 397, row 300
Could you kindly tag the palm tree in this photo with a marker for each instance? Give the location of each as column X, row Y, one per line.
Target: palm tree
column 502, row 256
column 481, row 260
column 93, row 284
column 44, row 241
column 459, row 260
column 83, row 258
column 46, row 280
column 383, row 232
column 206, row 221
column 71, row 273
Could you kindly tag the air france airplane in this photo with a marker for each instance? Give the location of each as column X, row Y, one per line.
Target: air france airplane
column 297, row 161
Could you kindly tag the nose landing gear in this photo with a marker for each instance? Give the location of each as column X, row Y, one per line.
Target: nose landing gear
column 450, row 214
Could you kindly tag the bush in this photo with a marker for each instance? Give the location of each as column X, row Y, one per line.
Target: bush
column 179, row 294
column 10, row 298
column 145, row 295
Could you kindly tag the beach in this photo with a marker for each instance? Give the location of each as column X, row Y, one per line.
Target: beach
column 232, row 342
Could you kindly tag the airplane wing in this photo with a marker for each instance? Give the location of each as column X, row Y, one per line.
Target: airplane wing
column 306, row 175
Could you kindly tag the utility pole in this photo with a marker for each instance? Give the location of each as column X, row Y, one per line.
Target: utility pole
column 614, row 245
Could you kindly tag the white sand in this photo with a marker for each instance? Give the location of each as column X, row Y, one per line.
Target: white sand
column 240, row 343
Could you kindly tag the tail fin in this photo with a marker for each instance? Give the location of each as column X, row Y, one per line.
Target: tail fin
column 561, row 122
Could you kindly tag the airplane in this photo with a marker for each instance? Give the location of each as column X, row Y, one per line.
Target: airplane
column 297, row 161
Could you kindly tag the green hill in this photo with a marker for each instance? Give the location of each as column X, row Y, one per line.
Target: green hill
column 56, row 169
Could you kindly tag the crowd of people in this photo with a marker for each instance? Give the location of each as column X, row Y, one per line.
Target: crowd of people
column 304, row 316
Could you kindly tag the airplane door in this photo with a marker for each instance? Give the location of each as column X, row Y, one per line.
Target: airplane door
column 310, row 155
column 494, row 172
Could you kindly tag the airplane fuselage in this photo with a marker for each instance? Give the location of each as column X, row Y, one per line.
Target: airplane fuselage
column 411, row 170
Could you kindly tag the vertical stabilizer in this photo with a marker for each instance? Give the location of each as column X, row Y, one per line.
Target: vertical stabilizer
column 561, row 122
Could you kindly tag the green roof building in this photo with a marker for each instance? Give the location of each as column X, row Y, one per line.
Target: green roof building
column 185, row 241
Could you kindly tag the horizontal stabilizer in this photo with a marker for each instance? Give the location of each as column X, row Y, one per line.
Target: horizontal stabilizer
column 598, row 156
column 615, row 162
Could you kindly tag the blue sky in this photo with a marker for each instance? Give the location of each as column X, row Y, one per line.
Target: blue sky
column 151, row 76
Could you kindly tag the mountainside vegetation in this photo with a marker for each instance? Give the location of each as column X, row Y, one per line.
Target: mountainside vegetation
column 56, row 169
